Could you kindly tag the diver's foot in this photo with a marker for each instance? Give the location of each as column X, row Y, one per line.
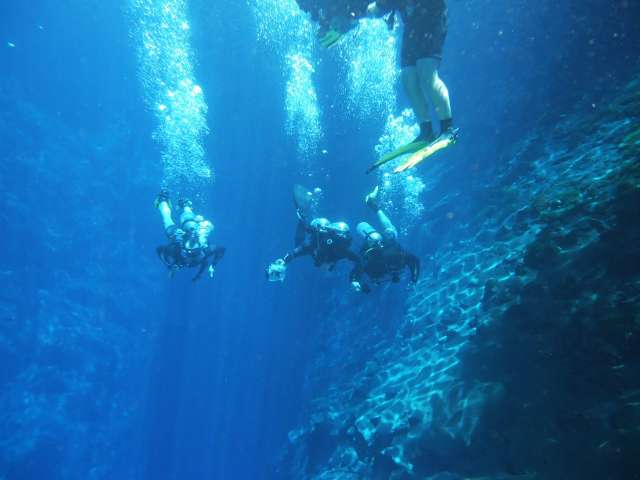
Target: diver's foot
column 447, row 130
column 185, row 203
column 163, row 196
column 450, row 134
column 426, row 134
column 372, row 199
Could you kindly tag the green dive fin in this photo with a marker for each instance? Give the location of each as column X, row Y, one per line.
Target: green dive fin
column 398, row 152
column 330, row 38
column 442, row 142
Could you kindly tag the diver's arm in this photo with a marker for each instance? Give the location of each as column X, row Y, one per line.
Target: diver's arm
column 299, row 251
column 215, row 253
column 353, row 258
column 357, row 273
column 310, row 8
column 356, row 278
column 413, row 263
column 203, row 265
column 302, row 228
column 165, row 256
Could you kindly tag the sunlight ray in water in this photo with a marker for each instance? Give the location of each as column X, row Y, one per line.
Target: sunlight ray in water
column 301, row 103
column 284, row 27
column 401, row 193
column 161, row 30
column 369, row 52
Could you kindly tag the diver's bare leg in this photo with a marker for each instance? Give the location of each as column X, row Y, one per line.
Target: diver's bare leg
column 165, row 212
column 433, row 87
column 411, row 84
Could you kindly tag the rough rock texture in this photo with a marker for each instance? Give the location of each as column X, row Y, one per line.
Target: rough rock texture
column 518, row 354
column 69, row 331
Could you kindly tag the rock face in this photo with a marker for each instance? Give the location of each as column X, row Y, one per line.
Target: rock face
column 70, row 329
column 518, row 355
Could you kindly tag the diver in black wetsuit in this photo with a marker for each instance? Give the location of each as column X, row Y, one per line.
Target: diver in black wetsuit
column 425, row 30
column 335, row 17
column 325, row 242
column 382, row 257
column 188, row 245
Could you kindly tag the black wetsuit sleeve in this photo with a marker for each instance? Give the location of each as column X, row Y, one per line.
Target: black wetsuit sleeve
column 357, row 275
column 413, row 263
column 357, row 272
column 386, row 6
column 299, row 251
column 216, row 254
column 309, row 7
column 166, row 253
column 213, row 256
column 302, row 228
column 353, row 258
column 203, row 265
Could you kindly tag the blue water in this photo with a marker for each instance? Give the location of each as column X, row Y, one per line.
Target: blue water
column 111, row 370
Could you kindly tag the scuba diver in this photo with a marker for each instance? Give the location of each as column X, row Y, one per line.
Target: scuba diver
column 324, row 241
column 335, row 17
column 188, row 245
column 382, row 257
column 425, row 30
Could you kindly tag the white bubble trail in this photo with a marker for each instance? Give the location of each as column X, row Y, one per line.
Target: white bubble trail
column 282, row 26
column 370, row 54
column 161, row 31
column 401, row 193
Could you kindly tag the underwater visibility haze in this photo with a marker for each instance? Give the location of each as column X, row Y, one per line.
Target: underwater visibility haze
column 200, row 280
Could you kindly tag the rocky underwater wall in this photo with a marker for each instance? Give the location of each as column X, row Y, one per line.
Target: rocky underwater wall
column 518, row 354
column 72, row 332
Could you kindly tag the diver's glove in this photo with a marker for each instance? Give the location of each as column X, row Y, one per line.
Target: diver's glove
column 360, row 287
column 277, row 271
column 211, row 271
column 330, row 38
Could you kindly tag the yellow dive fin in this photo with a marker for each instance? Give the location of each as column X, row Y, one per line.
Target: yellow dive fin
column 442, row 142
column 398, row 152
